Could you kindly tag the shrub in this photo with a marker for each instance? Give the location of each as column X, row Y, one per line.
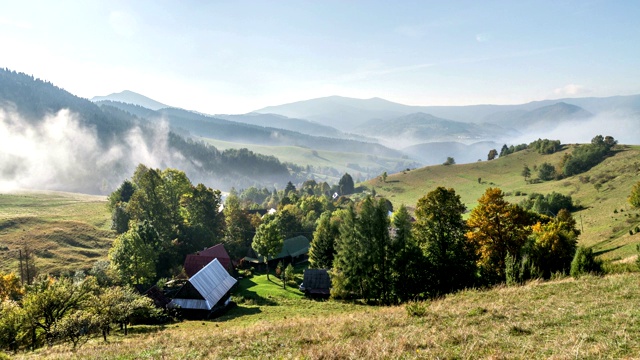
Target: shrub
column 585, row 262
column 416, row 308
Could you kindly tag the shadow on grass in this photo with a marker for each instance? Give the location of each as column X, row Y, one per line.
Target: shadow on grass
column 144, row 329
column 237, row 312
column 598, row 253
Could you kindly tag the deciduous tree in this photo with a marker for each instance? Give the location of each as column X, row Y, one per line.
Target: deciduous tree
column 497, row 228
column 267, row 242
column 440, row 231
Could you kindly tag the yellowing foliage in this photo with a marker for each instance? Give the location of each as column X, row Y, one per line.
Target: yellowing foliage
column 10, row 287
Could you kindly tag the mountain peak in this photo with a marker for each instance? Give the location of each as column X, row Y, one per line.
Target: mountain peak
column 130, row 97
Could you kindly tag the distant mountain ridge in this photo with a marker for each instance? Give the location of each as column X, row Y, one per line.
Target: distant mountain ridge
column 332, row 110
column 130, row 97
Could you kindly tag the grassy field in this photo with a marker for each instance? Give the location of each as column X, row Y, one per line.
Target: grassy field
column 606, row 217
column 352, row 163
column 588, row 318
column 66, row 231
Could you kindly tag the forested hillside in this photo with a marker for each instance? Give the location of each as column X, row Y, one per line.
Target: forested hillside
column 94, row 148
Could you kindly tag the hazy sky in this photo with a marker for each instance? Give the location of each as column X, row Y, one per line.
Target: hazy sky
column 237, row 56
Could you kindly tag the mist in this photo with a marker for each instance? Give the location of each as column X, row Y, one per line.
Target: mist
column 58, row 153
column 623, row 127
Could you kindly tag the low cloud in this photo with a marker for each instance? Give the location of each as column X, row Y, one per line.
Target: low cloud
column 571, row 90
column 623, row 127
column 59, row 153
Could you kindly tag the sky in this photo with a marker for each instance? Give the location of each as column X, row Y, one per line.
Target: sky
column 229, row 57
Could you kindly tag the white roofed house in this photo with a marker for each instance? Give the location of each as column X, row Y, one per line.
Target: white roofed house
column 205, row 292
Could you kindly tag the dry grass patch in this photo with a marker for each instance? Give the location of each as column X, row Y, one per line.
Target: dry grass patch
column 593, row 317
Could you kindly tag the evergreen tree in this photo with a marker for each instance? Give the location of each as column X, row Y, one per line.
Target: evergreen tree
column 322, row 249
column 346, row 185
column 408, row 263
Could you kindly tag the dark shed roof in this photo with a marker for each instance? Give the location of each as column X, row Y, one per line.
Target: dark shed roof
column 195, row 262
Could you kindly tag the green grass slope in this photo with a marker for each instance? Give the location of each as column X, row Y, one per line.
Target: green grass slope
column 606, row 218
column 365, row 165
column 66, row 231
column 559, row 319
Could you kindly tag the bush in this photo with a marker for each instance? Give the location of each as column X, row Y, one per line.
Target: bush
column 416, row 308
column 585, row 262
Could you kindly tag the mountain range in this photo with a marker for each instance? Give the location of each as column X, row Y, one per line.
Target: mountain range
column 318, row 138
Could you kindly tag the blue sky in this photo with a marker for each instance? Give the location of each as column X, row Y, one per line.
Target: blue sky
column 239, row 56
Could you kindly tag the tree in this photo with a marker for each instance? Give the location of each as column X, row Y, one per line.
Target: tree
column 585, row 262
column 504, row 151
column 373, row 230
column 546, row 172
column 346, row 185
column 526, row 172
column 493, row 153
column 407, row 261
column 497, row 228
column 440, row 231
column 289, row 188
column 10, row 288
column 322, row 250
column 238, row 232
column 76, row 327
column 48, row 301
column 122, row 194
column 384, row 177
column 634, row 197
column 267, row 242
column 11, row 320
column 133, row 255
column 449, row 161
column 554, row 244
column 202, row 218
column 347, row 275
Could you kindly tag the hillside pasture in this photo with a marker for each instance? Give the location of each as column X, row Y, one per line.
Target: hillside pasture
column 65, row 231
column 559, row 319
column 605, row 216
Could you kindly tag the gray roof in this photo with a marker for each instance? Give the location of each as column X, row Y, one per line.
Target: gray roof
column 212, row 282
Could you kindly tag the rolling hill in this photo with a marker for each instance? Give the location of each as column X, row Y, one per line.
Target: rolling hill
column 606, row 217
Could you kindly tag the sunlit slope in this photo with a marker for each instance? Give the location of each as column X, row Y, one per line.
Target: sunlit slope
column 606, row 218
column 359, row 165
column 65, row 231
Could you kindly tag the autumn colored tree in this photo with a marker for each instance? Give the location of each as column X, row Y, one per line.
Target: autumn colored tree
column 10, row 288
column 493, row 153
column 554, row 244
column 497, row 228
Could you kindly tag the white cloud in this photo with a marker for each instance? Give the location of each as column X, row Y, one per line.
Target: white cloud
column 571, row 90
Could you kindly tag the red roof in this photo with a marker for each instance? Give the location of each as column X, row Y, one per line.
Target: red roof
column 195, row 262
